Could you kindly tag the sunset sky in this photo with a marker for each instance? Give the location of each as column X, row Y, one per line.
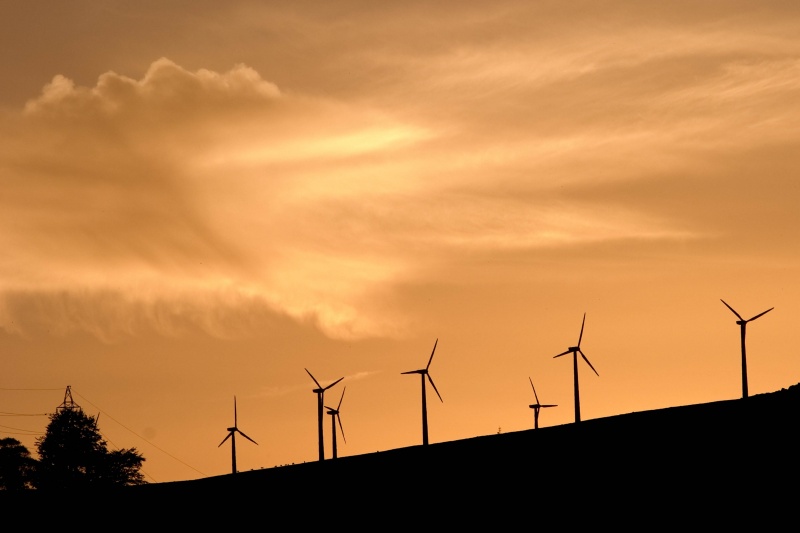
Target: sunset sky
column 200, row 200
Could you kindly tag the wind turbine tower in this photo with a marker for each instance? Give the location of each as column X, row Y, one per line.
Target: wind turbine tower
column 537, row 406
column 743, row 327
column 232, row 431
column 336, row 418
column 423, row 373
column 575, row 350
column 320, row 392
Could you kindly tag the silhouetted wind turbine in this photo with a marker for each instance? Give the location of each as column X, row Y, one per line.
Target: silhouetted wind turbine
column 424, row 372
column 334, row 418
column 232, row 431
column 743, row 326
column 536, row 406
column 320, row 391
column 575, row 350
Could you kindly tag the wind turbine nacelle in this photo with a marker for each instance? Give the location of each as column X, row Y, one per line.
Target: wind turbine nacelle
column 232, row 429
column 574, row 349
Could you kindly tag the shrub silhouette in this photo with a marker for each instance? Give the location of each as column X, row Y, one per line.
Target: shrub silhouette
column 73, row 455
column 17, row 467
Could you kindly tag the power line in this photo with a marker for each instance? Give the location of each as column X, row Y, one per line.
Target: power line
column 4, row 388
column 20, row 431
column 118, row 448
column 144, row 439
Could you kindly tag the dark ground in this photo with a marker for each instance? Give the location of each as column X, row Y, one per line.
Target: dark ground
column 730, row 464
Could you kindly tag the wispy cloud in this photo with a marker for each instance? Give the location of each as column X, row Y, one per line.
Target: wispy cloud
column 199, row 185
column 272, row 392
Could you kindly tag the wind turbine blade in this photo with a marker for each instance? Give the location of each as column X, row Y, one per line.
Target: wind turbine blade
column 758, row 315
column 334, row 383
column 340, row 399
column 414, row 372
column 562, row 353
column 551, row 405
column 434, row 387
column 731, row 308
column 234, row 412
column 587, row 361
column 432, row 351
column 341, row 428
column 582, row 324
column 315, row 379
column 534, row 390
column 226, row 438
column 245, row 436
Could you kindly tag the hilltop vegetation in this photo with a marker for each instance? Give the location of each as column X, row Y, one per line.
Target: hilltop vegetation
column 73, row 456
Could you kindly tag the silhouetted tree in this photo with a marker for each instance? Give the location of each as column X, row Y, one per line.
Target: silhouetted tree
column 17, row 467
column 73, row 454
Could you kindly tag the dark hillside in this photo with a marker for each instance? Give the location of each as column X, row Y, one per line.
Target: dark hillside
column 720, row 462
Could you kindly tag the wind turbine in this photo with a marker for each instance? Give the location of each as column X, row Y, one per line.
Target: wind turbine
column 334, row 418
column 232, row 431
column 743, row 326
column 536, row 406
column 320, row 391
column 575, row 350
column 422, row 373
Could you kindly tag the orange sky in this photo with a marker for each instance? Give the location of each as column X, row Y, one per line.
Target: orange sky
column 202, row 201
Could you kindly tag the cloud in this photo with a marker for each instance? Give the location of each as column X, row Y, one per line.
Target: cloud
column 184, row 182
column 275, row 391
column 118, row 313
column 166, row 91
column 201, row 182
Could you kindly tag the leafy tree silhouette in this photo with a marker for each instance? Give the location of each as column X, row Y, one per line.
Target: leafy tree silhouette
column 17, row 467
column 73, row 455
